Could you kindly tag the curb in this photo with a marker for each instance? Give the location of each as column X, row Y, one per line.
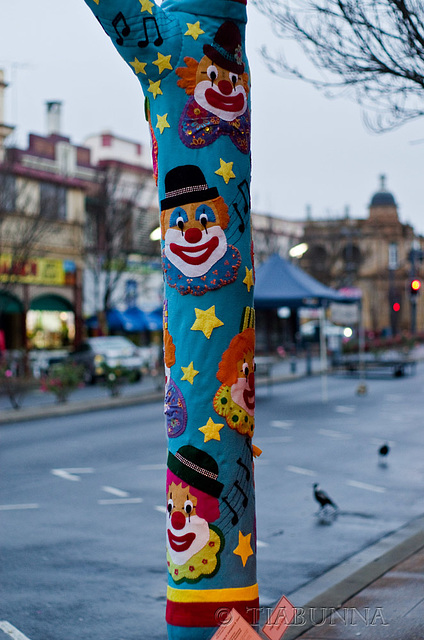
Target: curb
column 336, row 586
column 71, row 408
column 104, row 404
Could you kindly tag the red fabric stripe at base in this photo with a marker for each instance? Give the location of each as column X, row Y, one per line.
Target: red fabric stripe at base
column 208, row 614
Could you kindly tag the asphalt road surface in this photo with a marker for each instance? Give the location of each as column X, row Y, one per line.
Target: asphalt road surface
column 82, row 502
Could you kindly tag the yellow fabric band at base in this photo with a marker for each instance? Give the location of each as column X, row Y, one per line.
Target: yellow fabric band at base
column 213, row 595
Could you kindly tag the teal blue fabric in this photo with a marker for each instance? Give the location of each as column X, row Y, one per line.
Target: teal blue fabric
column 218, row 461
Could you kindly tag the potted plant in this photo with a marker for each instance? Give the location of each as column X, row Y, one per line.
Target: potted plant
column 62, row 379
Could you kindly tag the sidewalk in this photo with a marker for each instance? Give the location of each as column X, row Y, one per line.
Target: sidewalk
column 377, row 594
column 39, row 405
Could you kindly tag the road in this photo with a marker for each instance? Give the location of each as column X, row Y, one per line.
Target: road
column 82, row 502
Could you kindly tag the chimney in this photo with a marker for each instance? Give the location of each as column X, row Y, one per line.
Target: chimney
column 5, row 129
column 54, row 112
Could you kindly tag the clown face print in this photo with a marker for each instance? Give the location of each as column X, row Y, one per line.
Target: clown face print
column 193, row 544
column 194, row 236
column 235, row 399
column 196, row 256
column 220, row 91
column 186, row 532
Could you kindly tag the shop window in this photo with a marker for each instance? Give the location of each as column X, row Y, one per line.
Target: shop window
column 52, row 201
column 7, row 192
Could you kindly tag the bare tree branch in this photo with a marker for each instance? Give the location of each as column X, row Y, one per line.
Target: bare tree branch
column 111, row 212
column 371, row 50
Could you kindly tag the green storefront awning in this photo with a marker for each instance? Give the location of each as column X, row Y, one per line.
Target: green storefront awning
column 50, row 302
column 10, row 303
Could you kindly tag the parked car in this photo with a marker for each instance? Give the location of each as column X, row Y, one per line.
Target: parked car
column 310, row 330
column 100, row 353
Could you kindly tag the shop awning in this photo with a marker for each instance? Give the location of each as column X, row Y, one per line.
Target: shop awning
column 131, row 321
column 137, row 317
column 154, row 320
column 10, row 303
column 50, row 302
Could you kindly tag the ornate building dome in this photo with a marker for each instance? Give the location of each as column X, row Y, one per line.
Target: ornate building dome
column 383, row 206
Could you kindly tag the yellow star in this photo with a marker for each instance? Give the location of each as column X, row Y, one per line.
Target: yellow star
column 194, row 30
column 211, row 430
column 146, row 5
column 139, row 67
column 189, row 373
column 243, row 549
column 225, row 170
column 154, row 88
column 248, row 281
column 206, row 321
column 97, row 1
column 162, row 122
column 163, row 62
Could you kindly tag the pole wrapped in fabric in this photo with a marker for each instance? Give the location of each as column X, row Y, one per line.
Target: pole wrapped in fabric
column 190, row 59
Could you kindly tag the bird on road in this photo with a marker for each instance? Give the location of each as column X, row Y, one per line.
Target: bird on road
column 323, row 498
column 383, row 452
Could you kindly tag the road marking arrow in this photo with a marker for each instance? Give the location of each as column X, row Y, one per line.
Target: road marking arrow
column 72, row 473
column 12, row 631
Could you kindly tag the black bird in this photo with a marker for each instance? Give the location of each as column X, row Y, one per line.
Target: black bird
column 323, row 498
column 383, row 452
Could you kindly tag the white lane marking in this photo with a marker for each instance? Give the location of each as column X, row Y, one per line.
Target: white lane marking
column 380, row 441
column 367, row 487
column 16, row 507
column 334, row 434
column 271, row 439
column 121, row 501
column 71, row 474
column 345, row 409
column 260, row 544
column 161, row 508
column 12, row 631
column 300, row 470
column 282, row 424
column 394, row 397
column 151, row 467
column 116, row 492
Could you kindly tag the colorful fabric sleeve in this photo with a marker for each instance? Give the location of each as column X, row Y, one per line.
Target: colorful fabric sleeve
column 189, row 56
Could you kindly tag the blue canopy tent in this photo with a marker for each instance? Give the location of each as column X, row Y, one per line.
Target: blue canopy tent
column 279, row 283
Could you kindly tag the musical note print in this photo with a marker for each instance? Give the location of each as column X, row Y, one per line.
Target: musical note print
column 241, row 206
column 235, row 502
column 145, row 41
column 247, row 471
column 125, row 32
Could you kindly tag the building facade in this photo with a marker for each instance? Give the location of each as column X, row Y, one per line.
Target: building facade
column 42, row 217
column 379, row 254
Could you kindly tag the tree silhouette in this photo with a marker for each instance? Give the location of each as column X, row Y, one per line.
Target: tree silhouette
column 373, row 50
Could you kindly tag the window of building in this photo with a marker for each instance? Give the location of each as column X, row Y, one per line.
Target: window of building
column 7, row 192
column 351, row 255
column 52, row 201
column 393, row 255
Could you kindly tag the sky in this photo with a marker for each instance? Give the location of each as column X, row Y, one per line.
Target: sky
column 307, row 150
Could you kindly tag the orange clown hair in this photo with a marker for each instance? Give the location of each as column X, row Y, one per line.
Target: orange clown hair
column 188, row 76
column 239, row 346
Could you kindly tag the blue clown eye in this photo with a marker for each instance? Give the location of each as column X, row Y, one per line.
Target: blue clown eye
column 205, row 214
column 178, row 217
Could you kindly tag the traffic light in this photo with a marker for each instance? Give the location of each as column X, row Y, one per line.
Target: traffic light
column 415, row 286
column 396, row 306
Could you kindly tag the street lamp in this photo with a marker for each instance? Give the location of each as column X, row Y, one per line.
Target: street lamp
column 298, row 250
